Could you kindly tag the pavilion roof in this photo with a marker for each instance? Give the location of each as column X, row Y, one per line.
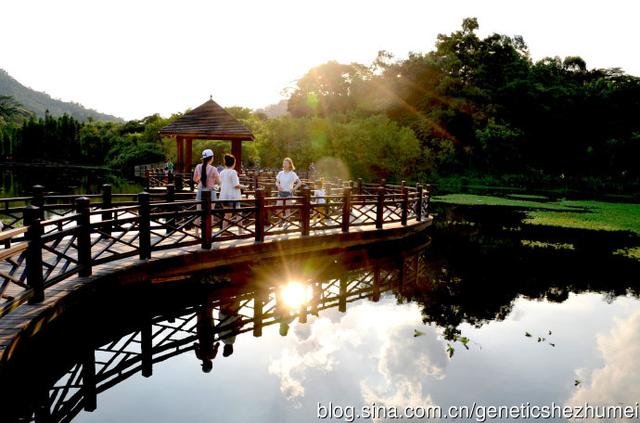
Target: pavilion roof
column 208, row 121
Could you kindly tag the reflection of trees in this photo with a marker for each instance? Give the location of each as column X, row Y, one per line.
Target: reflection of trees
column 478, row 265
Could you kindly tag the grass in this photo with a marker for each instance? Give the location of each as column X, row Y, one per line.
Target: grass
column 580, row 214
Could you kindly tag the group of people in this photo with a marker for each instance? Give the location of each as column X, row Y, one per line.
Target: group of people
column 287, row 181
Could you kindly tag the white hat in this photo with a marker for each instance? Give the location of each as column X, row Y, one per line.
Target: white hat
column 207, row 153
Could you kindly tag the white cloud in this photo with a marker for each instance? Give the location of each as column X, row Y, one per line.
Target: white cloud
column 617, row 381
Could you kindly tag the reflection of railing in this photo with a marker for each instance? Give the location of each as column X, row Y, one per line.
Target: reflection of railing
column 221, row 318
column 61, row 239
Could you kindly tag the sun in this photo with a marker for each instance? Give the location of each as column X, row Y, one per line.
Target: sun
column 295, row 294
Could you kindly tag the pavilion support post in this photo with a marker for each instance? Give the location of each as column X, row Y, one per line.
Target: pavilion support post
column 236, row 150
column 189, row 155
column 179, row 157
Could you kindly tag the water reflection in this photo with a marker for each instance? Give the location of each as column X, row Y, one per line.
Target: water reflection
column 477, row 315
column 18, row 180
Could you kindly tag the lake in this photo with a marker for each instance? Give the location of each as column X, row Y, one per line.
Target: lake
column 17, row 180
column 486, row 311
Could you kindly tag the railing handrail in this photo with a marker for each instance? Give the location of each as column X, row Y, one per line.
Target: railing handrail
column 88, row 233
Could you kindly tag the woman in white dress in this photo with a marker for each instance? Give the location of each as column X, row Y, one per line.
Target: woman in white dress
column 230, row 189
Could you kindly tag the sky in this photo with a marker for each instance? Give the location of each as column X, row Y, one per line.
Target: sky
column 135, row 58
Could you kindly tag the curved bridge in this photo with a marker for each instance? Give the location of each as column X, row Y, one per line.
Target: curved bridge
column 193, row 325
column 64, row 240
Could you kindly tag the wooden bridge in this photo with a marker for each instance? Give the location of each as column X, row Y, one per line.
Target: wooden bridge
column 51, row 238
column 188, row 326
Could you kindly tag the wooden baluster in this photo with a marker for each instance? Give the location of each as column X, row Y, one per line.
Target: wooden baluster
column 89, row 393
column 346, row 209
column 405, row 205
column 261, row 215
column 360, row 187
column 146, row 345
column 305, row 214
column 428, row 195
column 107, row 203
column 144, row 226
column 147, row 179
column 342, row 296
column 35, row 279
column 84, row 236
column 178, row 182
column 419, row 203
column 38, row 199
column 380, row 208
column 375, row 294
column 205, row 220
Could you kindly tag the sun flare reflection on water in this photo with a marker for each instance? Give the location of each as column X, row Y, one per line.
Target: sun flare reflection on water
column 295, row 294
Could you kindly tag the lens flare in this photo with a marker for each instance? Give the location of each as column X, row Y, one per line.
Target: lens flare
column 294, row 294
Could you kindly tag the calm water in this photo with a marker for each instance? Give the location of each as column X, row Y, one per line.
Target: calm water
column 17, row 181
column 477, row 313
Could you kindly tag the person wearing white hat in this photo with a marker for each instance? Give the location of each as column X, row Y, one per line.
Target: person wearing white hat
column 206, row 180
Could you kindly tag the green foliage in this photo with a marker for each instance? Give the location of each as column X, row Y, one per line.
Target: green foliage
column 371, row 147
column 482, row 106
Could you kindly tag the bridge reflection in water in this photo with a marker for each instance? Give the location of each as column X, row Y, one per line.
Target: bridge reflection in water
column 206, row 317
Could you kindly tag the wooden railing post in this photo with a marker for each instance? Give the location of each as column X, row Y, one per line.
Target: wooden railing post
column 342, row 296
column 360, row 187
column 205, row 219
column 259, row 299
column 144, row 226
column 191, row 183
column 107, row 203
column 305, row 214
column 84, row 236
column 429, row 189
column 405, row 205
column 89, row 380
column 419, row 202
column 147, row 179
column 38, row 199
column 380, row 208
column 171, row 193
column 34, row 253
column 260, row 214
column 346, row 209
column 178, row 182
column 170, row 177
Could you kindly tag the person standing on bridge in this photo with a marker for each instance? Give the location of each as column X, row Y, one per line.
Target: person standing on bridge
column 287, row 182
column 230, row 189
column 206, row 180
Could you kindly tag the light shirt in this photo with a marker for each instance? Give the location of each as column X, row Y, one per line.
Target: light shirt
column 228, row 181
column 319, row 196
column 212, row 175
column 287, row 180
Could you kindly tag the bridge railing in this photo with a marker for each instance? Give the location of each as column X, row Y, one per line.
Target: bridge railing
column 61, row 239
column 195, row 326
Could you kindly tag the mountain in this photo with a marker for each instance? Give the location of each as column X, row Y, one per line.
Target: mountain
column 275, row 110
column 39, row 102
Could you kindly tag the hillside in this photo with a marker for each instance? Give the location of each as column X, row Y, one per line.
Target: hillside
column 39, row 102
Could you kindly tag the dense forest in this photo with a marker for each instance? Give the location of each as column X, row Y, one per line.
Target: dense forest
column 472, row 109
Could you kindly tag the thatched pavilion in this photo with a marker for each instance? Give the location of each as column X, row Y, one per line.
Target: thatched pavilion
column 208, row 121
